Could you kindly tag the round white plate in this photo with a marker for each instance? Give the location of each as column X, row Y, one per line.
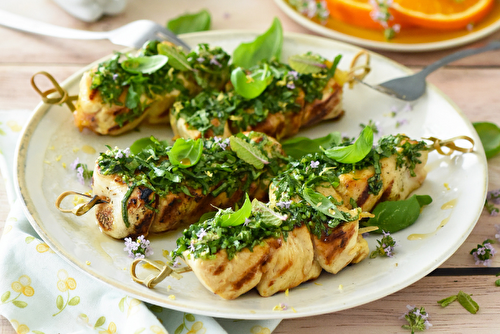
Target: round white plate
column 50, row 135
column 475, row 35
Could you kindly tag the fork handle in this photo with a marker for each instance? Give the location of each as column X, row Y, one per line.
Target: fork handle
column 18, row 22
column 458, row 55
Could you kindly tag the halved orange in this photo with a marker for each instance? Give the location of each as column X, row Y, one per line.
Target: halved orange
column 357, row 12
column 442, row 14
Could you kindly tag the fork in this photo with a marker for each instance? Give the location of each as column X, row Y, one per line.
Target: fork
column 134, row 34
column 412, row 87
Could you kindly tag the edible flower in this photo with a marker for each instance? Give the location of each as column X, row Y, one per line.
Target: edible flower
column 417, row 319
column 284, row 204
column 280, row 307
column 314, row 164
column 483, row 253
column 385, row 246
column 138, row 249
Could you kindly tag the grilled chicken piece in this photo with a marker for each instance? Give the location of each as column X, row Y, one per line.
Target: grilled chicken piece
column 148, row 212
column 289, row 265
column 232, row 278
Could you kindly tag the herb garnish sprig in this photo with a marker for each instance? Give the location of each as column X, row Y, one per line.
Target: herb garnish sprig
column 417, row 319
column 385, row 246
column 484, row 252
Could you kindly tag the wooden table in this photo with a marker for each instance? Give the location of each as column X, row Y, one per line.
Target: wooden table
column 473, row 84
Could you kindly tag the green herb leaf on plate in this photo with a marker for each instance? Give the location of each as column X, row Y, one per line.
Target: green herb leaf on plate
column 177, row 59
column 251, row 85
column 297, row 147
column 393, row 216
column 248, row 153
column 144, row 65
column 141, row 144
column 268, row 216
column 489, row 134
column 265, row 46
column 447, row 301
column 238, row 217
column 355, row 152
column 333, row 68
column 467, row 302
column 321, row 203
column 190, row 22
column 306, row 64
column 186, row 153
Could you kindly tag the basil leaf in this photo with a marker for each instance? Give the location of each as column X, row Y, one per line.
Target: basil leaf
column 141, row 144
column 297, row 147
column 177, row 59
column 144, row 65
column 447, row 301
column 322, row 204
column 186, row 153
column 355, row 152
column 489, row 134
column 206, row 216
column 190, row 22
column 252, row 85
column 393, row 216
column 306, row 64
column 238, row 217
column 265, row 46
column 247, row 152
column 268, row 216
column 466, row 301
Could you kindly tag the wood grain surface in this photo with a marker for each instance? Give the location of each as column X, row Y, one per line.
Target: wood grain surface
column 473, row 84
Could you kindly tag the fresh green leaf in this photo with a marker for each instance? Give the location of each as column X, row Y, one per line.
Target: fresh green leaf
column 190, row 22
column 251, row 85
column 74, row 301
column 466, row 301
column 393, row 216
column 297, row 147
column 144, row 65
column 141, row 144
column 207, row 216
column 5, row 296
column 176, row 58
column 447, row 301
column 247, row 152
column 355, row 152
column 19, row 304
column 268, row 216
column 238, row 217
column 265, row 46
column 59, row 302
column 100, row 322
column 489, row 134
column 186, row 153
column 497, row 282
column 307, row 64
column 333, row 68
column 321, row 203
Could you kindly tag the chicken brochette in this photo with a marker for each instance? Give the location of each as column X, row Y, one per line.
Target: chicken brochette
column 290, row 101
column 162, row 187
column 115, row 98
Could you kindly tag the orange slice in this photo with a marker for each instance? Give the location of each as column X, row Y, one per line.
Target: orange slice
column 442, row 14
column 357, row 12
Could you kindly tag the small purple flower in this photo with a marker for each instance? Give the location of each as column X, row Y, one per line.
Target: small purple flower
column 75, row 163
column 176, row 264
column 115, row 76
column 470, row 27
column 483, row 253
column 79, row 175
column 214, row 61
column 201, row 233
column 294, row 74
column 498, row 232
column 191, row 246
column 283, row 306
column 494, row 196
column 247, row 221
column 138, row 249
column 290, row 85
column 314, row 164
column 396, row 28
column 407, row 107
column 200, row 59
column 284, row 204
column 223, row 144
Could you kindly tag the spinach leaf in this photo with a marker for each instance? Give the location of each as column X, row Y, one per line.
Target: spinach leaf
column 321, row 203
column 144, row 65
column 186, row 153
column 355, row 152
column 467, row 302
column 307, row 64
column 190, row 22
column 268, row 216
column 489, row 134
column 248, row 153
column 176, row 58
column 252, row 85
column 238, row 217
column 265, row 46
column 393, row 216
column 297, row 147
column 140, row 144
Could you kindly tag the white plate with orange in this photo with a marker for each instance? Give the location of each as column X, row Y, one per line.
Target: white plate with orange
column 423, row 29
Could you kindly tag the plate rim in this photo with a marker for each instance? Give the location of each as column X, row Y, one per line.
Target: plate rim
column 401, row 47
column 41, row 109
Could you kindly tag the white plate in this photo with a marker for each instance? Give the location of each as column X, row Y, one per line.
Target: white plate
column 50, row 134
column 479, row 32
